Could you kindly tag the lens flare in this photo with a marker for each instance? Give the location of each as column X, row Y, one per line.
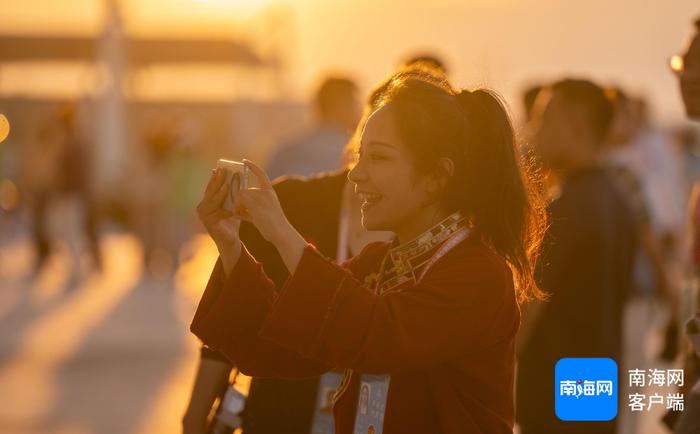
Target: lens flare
column 676, row 63
column 4, row 127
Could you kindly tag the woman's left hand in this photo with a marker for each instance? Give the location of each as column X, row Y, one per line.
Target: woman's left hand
column 261, row 207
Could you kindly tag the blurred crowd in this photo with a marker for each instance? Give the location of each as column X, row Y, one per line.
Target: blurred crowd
column 605, row 164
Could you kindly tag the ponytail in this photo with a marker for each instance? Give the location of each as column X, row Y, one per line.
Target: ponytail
column 492, row 184
column 504, row 198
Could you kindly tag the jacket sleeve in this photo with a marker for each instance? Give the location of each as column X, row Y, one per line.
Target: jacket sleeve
column 230, row 315
column 465, row 303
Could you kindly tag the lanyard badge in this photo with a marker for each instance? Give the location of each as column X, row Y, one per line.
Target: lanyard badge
column 371, row 404
column 323, row 416
column 402, row 267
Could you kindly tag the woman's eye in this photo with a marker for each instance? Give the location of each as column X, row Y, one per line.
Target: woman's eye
column 377, row 157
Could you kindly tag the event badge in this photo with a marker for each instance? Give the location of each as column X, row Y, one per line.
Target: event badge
column 323, row 416
column 371, row 404
column 231, row 408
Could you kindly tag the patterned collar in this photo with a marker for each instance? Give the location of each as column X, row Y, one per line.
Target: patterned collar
column 403, row 265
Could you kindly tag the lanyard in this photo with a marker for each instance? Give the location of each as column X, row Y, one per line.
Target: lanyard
column 374, row 389
column 456, row 235
column 344, row 223
column 405, row 265
column 328, row 385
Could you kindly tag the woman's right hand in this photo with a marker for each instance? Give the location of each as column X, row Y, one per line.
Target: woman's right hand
column 220, row 224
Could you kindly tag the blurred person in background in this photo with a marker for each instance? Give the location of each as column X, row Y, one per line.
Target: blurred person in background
column 430, row 60
column 529, row 98
column 186, row 171
column 149, row 199
column 687, row 67
column 38, row 178
column 321, row 149
column 687, row 139
column 76, row 168
column 689, row 74
column 660, row 162
column 651, row 279
column 56, row 173
column 587, row 255
column 623, row 156
column 168, row 176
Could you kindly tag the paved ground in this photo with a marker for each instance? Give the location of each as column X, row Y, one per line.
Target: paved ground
column 102, row 353
column 105, row 353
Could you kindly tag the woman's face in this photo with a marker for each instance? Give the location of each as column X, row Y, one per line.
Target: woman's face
column 394, row 195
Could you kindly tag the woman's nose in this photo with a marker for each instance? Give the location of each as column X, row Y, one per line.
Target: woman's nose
column 357, row 173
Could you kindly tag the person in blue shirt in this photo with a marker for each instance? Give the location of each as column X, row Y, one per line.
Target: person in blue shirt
column 320, row 149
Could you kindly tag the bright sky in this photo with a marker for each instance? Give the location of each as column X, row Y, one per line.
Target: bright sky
column 502, row 43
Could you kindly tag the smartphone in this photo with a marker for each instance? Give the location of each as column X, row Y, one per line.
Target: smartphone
column 236, row 178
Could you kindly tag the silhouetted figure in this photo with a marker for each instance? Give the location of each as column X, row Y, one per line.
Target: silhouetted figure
column 623, row 154
column 651, row 281
column 58, row 166
column 75, row 179
column 689, row 78
column 587, row 257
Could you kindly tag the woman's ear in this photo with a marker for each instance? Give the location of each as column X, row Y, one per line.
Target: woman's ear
column 443, row 171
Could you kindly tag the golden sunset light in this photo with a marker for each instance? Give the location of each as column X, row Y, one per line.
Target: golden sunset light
column 349, row 216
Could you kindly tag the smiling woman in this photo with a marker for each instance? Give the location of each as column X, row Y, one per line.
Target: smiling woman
column 430, row 319
column 387, row 182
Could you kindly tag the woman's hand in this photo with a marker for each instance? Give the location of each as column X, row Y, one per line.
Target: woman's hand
column 221, row 225
column 261, row 207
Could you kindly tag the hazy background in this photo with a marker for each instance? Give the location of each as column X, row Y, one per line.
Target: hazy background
column 107, row 350
column 502, row 43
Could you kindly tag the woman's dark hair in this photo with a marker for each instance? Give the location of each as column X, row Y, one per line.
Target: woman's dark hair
column 491, row 183
column 417, row 69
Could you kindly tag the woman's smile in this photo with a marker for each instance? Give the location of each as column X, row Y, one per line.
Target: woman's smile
column 368, row 199
column 393, row 195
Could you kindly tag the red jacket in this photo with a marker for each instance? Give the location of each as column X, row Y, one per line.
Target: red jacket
column 447, row 342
